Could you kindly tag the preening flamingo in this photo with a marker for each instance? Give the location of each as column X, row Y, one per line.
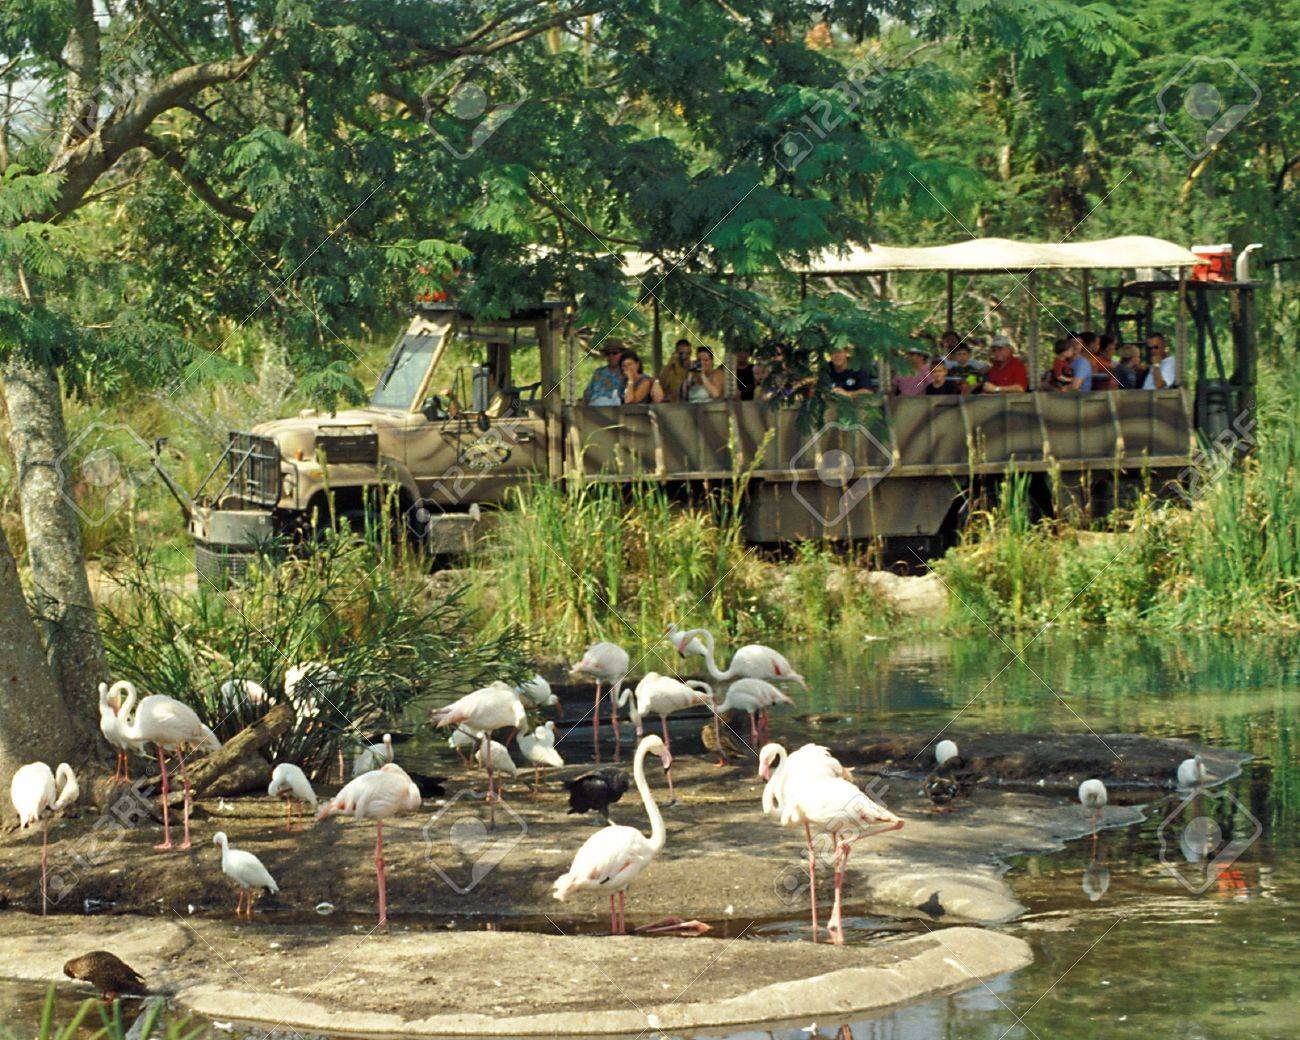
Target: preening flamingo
column 373, row 756
column 539, row 748
column 1094, row 796
column 290, row 784
column 749, row 662
column 36, row 792
column 171, row 727
column 246, row 871
column 495, row 706
column 611, row 859
column 1191, row 773
column 463, row 741
column 606, row 663
column 752, row 696
column 376, row 795
column 537, row 692
column 233, row 691
column 662, row 695
column 838, row 808
column 110, row 725
column 307, row 683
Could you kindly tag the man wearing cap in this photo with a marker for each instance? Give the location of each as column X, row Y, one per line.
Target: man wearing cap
column 605, row 390
column 1007, row 374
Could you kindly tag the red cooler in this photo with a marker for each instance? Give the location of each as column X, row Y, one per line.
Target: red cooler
column 1219, row 268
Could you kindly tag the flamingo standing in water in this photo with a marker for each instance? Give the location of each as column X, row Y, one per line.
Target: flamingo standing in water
column 606, row 663
column 37, row 791
column 171, row 727
column 493, row 707
column 612, row 858
column 754, row 661
column 290, row 784
column 662, row 695
column 376, row 795
column 838, row 808
column 752, row 696
column 1094, row 796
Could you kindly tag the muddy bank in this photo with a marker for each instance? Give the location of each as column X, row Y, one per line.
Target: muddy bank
column 723, row 860
column 506, row 984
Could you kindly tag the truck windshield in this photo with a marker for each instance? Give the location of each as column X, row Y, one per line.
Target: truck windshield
column 401, row 380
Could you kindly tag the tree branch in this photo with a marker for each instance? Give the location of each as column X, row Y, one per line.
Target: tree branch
column 200, row 187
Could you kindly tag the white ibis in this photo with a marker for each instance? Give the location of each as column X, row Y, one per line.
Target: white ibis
column 171, row 727
column 612, row 858
column 607, row 663
column 376, row 795
column 246, row 871
column 538, row 748
column 754, row 661
column 37, row 792
column 290, row 784
column 494, row 756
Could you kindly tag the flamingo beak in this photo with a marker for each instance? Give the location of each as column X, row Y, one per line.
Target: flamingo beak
column 667, row 761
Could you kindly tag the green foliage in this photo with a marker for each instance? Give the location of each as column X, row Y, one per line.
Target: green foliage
column 357, row 604
column 151, row 1021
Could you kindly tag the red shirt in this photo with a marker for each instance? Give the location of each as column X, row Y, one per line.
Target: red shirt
column 1013, row 373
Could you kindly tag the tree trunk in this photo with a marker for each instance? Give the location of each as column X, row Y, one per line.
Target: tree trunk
column 60, row 590
column 34, row 721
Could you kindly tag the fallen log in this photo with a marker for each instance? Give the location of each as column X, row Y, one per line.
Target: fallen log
column 243, row 746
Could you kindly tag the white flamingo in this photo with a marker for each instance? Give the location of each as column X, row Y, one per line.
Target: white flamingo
column 753, row 697
column 307, row 683
column 500, row 762
column 537, row 692
column 1191, row 773
column 233, row 691
column 662, row 695
column 607, row 663
column 110, row 725
column 246, row 871
column 944, row 750
column 290, row 784
column 495, row 706
column 36, row 792
column 613, row 857
column 171, row 727
column 463, row 741
column 1093, row 796
column 376, row 795
column 373, row 756
column 754, row 661
column 840, row 809
column 539, row 748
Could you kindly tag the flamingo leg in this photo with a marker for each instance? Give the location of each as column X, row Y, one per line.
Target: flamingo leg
column 613, row 916
column 45, row 853
column 753, row 729
column 185, row 802
column 343, row 776
column 379, row 873
column 126, row 768
column 835, row 925
column 672, row 794
column 764, row 735
column 622, row 912
column 167, row 827
column 491, row 799
column 812, row 877
column 595, row 725
column 613, row 718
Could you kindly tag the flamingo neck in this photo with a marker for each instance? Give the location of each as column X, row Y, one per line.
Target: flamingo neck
column 658, row 833
column 706, row 637
column 127, row 724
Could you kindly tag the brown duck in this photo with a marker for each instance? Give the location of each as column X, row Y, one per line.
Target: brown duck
column 109, row 974
column 730, row 746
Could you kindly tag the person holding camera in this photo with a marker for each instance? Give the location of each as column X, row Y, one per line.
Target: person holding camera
column 672, row 377
column 704, row 382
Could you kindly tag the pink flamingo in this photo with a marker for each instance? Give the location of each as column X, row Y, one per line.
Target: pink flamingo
column 612, row 858
column 662, row 695
column 376, row 795
column 752, row 696
column 171, row 727
column 37, row 791
column 606, row 663
column 493, row 707
column 836, row 807
column 754, row 661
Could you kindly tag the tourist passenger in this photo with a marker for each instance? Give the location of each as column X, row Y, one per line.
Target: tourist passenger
column 1080, row 365
column 846, row 381
column 914, row 383
column 746, row 375
column 1007, row 374
column 1129, row 370
column 705, row 382
column 781, row 380
column 1098, row 356
column 1163, row 371
column 1058, row 376
column 606, row 386
column 963, row 370
column 673, row 375
column 939, row 383
column 639, row 388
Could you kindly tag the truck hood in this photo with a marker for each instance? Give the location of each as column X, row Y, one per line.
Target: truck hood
column 296, row 436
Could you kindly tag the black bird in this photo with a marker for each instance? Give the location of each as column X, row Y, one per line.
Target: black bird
column 951, row 780
column 106, row 972
column 430, row 786
column 597, row 791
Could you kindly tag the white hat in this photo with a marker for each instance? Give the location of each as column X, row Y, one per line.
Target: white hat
column 999, row 341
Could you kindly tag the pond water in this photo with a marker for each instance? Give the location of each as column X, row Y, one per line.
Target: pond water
column 1128, row 941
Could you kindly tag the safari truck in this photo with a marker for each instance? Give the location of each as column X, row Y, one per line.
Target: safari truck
column 450, row 427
